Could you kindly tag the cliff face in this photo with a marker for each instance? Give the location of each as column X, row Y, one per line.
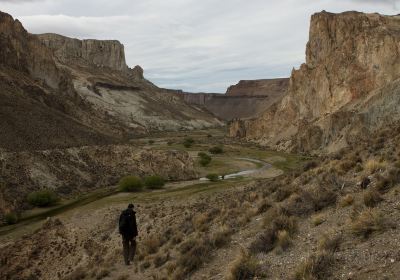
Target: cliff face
column 270, row 87
column 352, row 64
column 247, row 99
column 100, row 53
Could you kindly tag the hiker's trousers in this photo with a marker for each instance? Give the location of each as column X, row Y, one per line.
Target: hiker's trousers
column 129, row 245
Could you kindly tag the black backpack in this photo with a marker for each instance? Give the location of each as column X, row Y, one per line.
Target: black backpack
column 125, row 222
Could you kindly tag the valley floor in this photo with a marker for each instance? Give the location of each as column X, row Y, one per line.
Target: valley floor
column 321, row 219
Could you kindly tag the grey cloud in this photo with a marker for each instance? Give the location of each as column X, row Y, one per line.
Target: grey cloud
column 194, row 45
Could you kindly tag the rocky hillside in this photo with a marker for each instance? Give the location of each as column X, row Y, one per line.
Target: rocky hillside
column 60, row 92
column 78, row 170
column 270, row 87
column 247, row 99
column 348, row 86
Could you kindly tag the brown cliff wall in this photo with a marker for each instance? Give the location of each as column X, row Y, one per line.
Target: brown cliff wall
column 352, row 59
column 270, row 87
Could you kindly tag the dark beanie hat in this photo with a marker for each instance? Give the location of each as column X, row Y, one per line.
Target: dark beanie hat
column 131, row 205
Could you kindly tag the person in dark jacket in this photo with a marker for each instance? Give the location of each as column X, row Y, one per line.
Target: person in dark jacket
column 129, row 232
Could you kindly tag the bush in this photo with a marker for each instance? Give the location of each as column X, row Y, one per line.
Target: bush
column 154, row 182
column 368, row 222
column 188, row 142
column 204, row 159
column 151, row 142
column 11, row 218
column 245, row 267
column 315, row 267
column 372, row 197
column 212, row 177
column 130, row 184
column 216, row 150
column 43, row 198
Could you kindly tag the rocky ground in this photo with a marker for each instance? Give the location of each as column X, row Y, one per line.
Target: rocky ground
column 335, row 218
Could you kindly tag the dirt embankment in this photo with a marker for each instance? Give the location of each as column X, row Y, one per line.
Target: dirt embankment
column 75, row 170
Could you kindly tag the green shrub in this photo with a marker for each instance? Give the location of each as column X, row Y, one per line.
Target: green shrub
column 11, row 218
column 130, row 184
column 154, row 182
column 216, row 150
column 204, row 159
column 212, row 177
column 188, row 142
column 43, row 198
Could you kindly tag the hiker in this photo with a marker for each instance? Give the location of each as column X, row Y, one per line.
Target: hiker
column 128, row 230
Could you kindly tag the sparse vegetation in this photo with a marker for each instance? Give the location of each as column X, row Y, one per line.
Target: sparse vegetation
column 372, row 197
column 212, row 177
column 130, row 184
column 373, row 165
column 11, row 218
column 367, row 222
column 204, row 159
column 43, row 198
column 216, row 150
column 245, row 267
column 188, row 142
column 347, row 200
column 154, row 182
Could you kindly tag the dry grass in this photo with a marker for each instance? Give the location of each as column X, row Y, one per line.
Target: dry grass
column 221, row 237
column 373, row 165
column 317, row 219
column 347, row 200
column 269, row 239
column 329, row 243
column 152, row 244
column 283, row 240
column 367, row 222
column 372, row 197
column 200, row 221
column 315, row 267
column 244, row 267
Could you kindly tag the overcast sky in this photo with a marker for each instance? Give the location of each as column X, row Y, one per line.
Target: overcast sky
column 195, row 45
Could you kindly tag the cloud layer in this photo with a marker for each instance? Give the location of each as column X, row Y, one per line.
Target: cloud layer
column 194, row 45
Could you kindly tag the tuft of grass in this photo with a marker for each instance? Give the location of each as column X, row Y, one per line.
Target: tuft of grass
column 372, row 197
column 283, row 240
column 269, row 238
column 130, row 184
column 347, row 200
column 315, row 266
column 245, row 267
column 367, row 222
column 152, row 244
column 329, row 243
column 221, row 237
column 318, row 219
column 373, row 165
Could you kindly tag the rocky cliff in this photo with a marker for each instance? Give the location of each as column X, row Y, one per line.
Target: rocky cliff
column 247, row 99
column 347, row 86
column 100, row 53
column 270, row 87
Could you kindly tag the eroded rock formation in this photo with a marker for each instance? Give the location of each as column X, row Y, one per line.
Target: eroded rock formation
column 269, row 87
column 348, row 85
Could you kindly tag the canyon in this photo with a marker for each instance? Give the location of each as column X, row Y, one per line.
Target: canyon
column 348, row 86
column 324, row 146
